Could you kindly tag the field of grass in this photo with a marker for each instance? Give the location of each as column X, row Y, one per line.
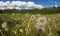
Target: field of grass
column 17, row 24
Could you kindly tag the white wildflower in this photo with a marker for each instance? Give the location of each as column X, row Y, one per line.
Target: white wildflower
column 13, row 14
column 33, row 17
column 4, row 25
column 15, row 19
column 24, row 21
column 6, row 29
column 40, row 27
column 21, row 30
column 49, row 19
column 27, row 14
column 41, row 21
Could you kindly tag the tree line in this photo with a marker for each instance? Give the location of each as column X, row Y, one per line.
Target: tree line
column 50, row 10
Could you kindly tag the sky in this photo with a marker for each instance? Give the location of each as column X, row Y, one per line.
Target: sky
column 32, row 3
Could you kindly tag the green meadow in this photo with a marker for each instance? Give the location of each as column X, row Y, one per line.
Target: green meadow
column 18, row 24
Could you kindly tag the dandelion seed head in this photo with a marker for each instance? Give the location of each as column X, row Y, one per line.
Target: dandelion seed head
column 39, row 26
column 15, row 19
column 21, row 30
column 29, row 29
column 6, row 29
column 24, row 21
column 49, row 19
column 42, row 21
column 33, row 17
column 13, row 14
column 27, row 14
column 4, row 25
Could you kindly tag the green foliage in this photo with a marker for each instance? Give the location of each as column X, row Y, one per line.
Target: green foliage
column 50, row 10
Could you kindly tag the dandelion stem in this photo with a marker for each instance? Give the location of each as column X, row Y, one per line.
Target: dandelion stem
column 28, row 26
column 1, row 32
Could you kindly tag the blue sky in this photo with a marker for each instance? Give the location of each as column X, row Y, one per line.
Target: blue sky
column 46, row 3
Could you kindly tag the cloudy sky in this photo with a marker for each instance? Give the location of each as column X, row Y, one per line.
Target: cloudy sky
column 27, row 4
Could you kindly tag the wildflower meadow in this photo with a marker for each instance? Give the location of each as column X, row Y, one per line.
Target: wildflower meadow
column 18, row 24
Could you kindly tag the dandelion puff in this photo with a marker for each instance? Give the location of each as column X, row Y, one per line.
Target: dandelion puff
column 41, row 27
column 29, row 30
column 27, row 15
column 15, row 19
column 21, row 30
column 33, row 17
column 49, row 19
column 24, row 21
column 42, row 21
column 13, row 14
column 4, row 25
column 6, row 29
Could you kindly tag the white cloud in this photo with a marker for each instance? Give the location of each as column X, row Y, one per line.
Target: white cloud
column 26, row 8
column 7, row 3
column 30, row 4
column 56, row 6
column 39, row 6
column 1, row 3
column 18, row 5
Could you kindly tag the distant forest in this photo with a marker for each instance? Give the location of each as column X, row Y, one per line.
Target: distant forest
column 50, row 10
